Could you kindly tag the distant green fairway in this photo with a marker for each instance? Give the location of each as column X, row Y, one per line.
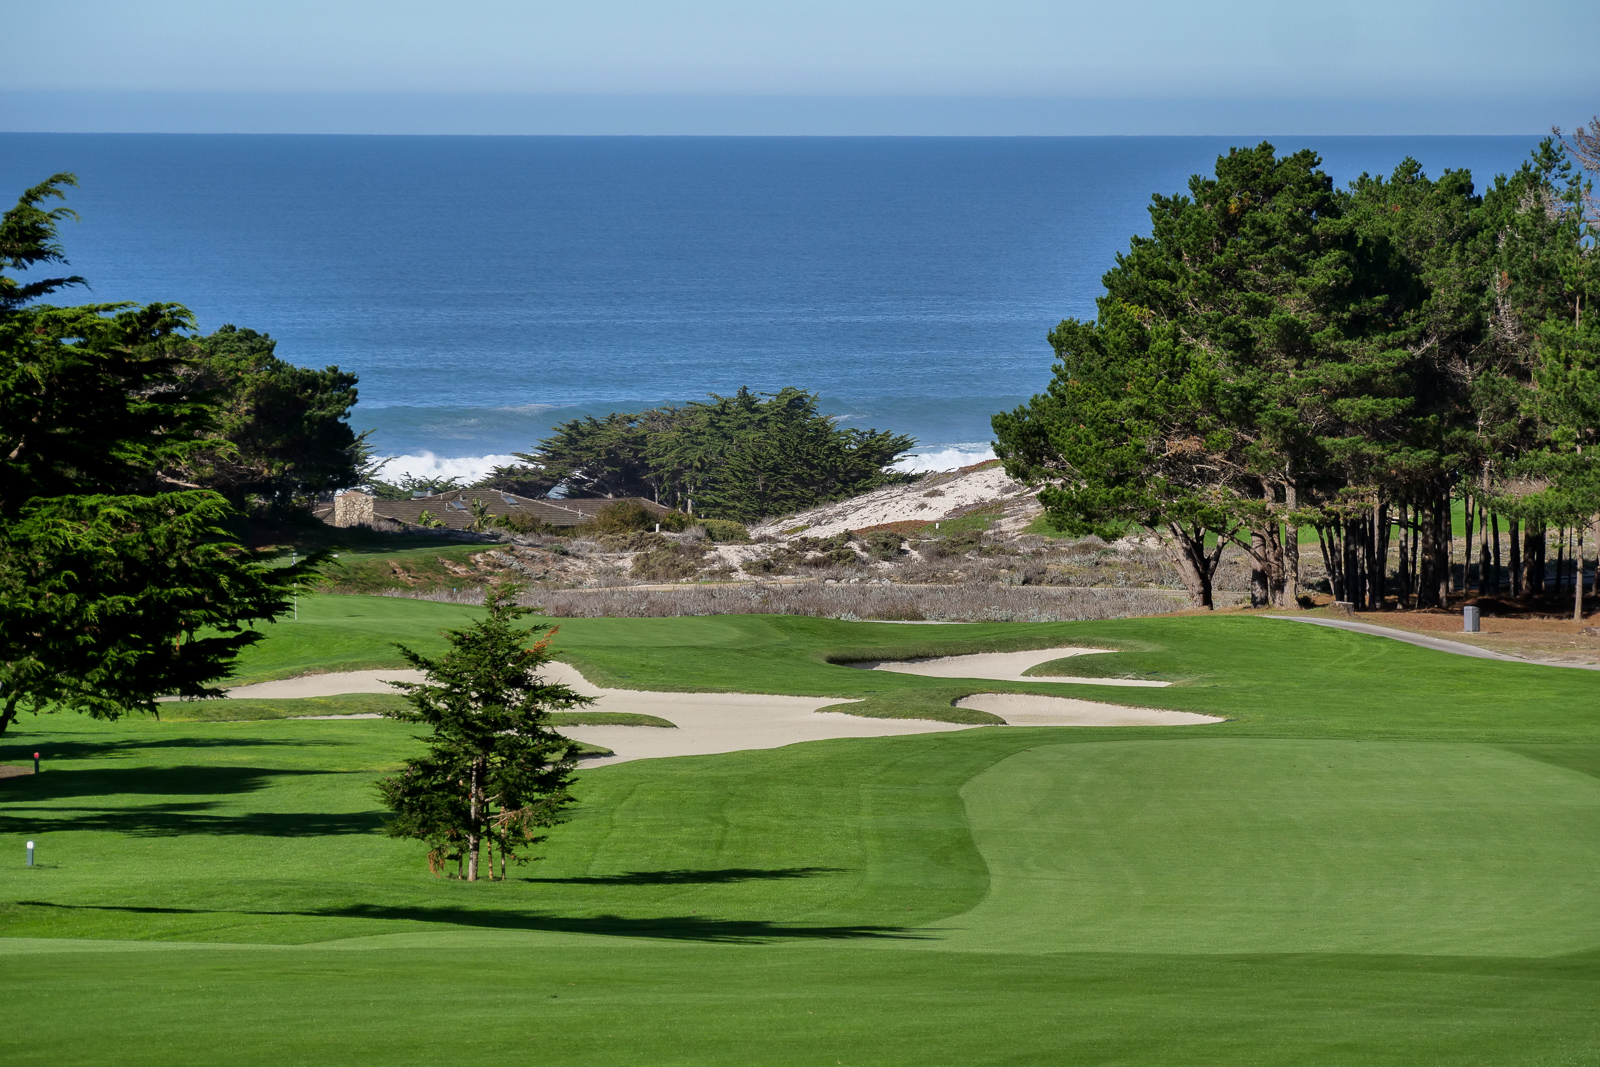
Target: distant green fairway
column 1389, row 856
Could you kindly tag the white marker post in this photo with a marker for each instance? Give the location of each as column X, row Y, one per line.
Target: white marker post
column 30, row 853
column 293, row 555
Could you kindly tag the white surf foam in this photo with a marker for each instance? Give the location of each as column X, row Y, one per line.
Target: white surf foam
column 428, row 465
column 945, row 459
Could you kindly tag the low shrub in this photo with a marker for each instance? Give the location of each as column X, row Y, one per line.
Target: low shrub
column 971, row 603
column 725, row 531
column 881, row 544
column 635, row 541
column 955, row 544
column 526, row 525
column 624, row 516
column 668, row 563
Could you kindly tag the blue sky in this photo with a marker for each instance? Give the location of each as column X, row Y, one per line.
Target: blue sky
column 823, row 66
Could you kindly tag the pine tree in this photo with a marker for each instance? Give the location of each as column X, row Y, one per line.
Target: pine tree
column 495, row 771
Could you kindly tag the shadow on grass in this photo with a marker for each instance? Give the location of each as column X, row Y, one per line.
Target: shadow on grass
column 176, row 820
column 54, row 751
column 669, row 927
column 143, row 781
column 691, row 877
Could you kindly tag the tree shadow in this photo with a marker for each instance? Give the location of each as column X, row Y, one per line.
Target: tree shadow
column 54, row 750
column 724, row 876
column 668, row 927
column 201, row 780
column 177, row 820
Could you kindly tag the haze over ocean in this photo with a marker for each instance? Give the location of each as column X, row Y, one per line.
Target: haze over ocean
column 485, row 288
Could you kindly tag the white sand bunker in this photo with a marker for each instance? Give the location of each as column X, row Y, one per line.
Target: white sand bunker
column 324, row 685
column 1026, row 709
column 721, row 722
column 706, row 722
column 1003, row 667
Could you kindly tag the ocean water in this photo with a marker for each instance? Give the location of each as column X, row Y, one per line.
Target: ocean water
column 485, row 288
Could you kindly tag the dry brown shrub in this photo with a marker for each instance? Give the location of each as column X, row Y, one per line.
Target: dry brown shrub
column 964, row 603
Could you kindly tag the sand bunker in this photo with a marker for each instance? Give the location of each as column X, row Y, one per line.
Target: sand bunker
column 324, row 685
column 734, row 722
column 1025, row 709
column 721, row 722
column 1002, row 667
column 707, row 722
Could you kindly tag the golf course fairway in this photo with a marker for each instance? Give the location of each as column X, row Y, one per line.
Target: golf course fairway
column 1386, row 855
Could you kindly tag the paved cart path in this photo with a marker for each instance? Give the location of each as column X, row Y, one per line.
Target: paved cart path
column 1438, row 644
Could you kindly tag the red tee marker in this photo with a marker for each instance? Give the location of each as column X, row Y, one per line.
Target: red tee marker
column 36, row 763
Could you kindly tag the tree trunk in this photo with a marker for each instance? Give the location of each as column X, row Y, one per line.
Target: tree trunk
column 476, row 817
column 1186, row 551
column 1577, row 574
column 9, row 716
column 1330, row 560
column 1433, row 566
column 1469, row 512
column 1280, row 567
column 1483, row 556
column 1494, row 527
column 1533, row 559
column 1291, row 551
column 1514, row 545
column 1380, row 556
column 1260, row 570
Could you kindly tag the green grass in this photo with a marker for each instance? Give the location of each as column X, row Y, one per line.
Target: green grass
column 251, row 710
column 1293, row 678
column 1387, row 856
column 608, row 718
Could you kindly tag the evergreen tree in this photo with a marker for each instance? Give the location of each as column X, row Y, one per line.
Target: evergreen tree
column 1279, row 352
column 746, row 456
column 495, row 772
column 119, row 584
column 280, row 433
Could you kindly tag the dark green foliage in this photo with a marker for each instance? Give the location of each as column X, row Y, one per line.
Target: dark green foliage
column 495, row 772
column 118, row 582
column 28, row 237
column 834, row 551
column 881, row 544
column 725, row 531
column 522, row 524
column 622, row 517
column 280, row 432
column 412, row 485
column 955, row 544
column 737, row 457
column 1279, row 353
column 112, row 601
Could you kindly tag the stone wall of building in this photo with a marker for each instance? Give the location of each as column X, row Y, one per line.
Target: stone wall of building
column 352, row 509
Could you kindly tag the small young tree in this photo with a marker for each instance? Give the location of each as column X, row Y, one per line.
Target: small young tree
column 495, row 772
